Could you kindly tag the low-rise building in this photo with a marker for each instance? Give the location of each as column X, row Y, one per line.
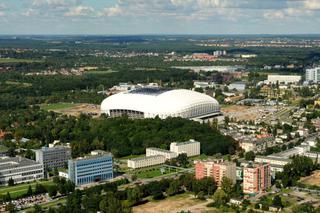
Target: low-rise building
column 142, row 162
column 191, row 148
column 96, row 167
column 20, row 170
column 256, row 178
column 156, row 151
column 53, row 157
column 215, row 169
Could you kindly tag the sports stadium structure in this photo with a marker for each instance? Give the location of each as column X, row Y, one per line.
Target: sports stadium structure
column 152, row 102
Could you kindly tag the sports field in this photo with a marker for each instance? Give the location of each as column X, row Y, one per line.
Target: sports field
column 57, row 106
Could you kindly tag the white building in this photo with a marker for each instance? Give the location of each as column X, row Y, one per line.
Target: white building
column 152, row 102
column 239, row 86
column 191, row 148
column 20, row 170
column 156, row 151
column 313, row 74
column 142, row 162
column 284, row 79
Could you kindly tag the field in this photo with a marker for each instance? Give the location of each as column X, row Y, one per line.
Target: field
column 20, row 189
column 154, row 172
column 15, row 83
column 101, row 72
column 313, row 179
column 178, row 203
column 247, row 112
column 15, row 60
column 73, row 109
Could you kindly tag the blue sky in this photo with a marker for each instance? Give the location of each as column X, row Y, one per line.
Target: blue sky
column 159, row 16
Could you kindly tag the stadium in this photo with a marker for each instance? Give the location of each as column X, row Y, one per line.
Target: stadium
column 152, row 102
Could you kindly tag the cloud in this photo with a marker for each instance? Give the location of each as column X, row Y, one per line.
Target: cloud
column 80, row 11
column 111, row 11
column 51, row 3
column 312, row 4
column 274, row 14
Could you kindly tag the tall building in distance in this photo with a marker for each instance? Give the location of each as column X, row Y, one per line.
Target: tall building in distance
column 96, row 167
column 313, row 75
column 216, row 169
column 191, row 148
column 20, row 170
column 53, row 157
column 256, row 178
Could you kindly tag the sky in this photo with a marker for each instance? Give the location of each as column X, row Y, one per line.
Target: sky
column 129, row 17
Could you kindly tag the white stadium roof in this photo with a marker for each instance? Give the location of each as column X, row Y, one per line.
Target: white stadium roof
column 154, row 102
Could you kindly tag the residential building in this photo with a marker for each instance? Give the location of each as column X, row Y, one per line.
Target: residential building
column 20, row 170
column 156, row 151
column 256, row 178
column 53, row 157
column 313, row 75
column 96, row 167
column 215, row 169
column 153, row 160
column 191, row 148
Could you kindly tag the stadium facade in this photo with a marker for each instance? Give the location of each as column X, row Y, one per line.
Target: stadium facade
column 152, row 102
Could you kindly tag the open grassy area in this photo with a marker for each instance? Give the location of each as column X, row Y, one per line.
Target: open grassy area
column 16, row 60
column 57, row 106
column 154, row 172
column 21, row 189
column 99, row 72
column 16, row 83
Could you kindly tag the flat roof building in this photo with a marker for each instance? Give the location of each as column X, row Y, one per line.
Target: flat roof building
column 96, row 167
column 142, row 162
column 216, row 169
column 256, row 178
column 313, row 75
column 20, row 170
column 191, row 148
column 53, row 157
column 156, row 151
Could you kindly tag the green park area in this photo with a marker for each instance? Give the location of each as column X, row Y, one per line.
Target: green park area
column 154, row 172
column 21, row 189
column 57, row 106
column 100, row 72
column 16, row 60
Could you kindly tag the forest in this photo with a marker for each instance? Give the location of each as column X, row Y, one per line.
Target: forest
column 121, row 136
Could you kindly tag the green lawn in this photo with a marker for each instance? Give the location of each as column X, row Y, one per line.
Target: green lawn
column 16, row 60
column 154, row 172
column 99, row 72
column 57, row 106
column 20, row 189
column 16, row 83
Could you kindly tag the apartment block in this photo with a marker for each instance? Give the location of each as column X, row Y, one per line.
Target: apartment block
column 216, row 169
column 256, row 178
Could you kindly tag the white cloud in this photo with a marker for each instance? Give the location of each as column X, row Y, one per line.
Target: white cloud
column 79, row 11
column 53, row 3
column 312, row 4
column 111, row 11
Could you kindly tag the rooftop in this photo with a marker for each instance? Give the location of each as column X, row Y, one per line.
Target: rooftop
column 15, row 162
column 149, row 91
column 186, row 142
column 161, row 150
column 146, row 158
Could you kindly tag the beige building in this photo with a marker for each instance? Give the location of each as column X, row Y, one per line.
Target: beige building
column 191, row 148
column 156, row 151
column 137, row 163
column 216, row 169
column 256, row 178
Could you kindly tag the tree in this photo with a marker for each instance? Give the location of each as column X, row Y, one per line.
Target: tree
column 110, row 204
column 227, row 185
column 174, row 188
column 29, row 192
column 11, row 182
column 304, row 208
column 134, row 195
column 182, row 160
column 277, row 201
column 52, row 190
column 250, row 156
column 37, row 209
column 220, row 197
column 40, row 189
